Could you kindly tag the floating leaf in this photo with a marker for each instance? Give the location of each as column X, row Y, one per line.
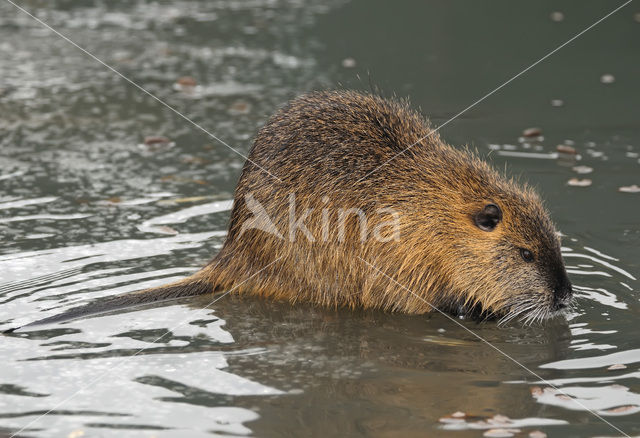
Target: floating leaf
column 576, row 182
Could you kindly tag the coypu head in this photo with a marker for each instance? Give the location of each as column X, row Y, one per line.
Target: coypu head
column 489, row 239
column 509, row 260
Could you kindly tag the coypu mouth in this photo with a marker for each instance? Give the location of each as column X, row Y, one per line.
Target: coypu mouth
column 532, row 310
column 528, row 310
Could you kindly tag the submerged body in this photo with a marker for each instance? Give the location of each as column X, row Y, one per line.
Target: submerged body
column 441, row 228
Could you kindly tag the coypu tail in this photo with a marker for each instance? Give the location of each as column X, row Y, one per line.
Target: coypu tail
column 188, row 287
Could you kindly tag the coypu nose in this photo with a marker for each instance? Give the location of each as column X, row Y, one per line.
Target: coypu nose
column 562, row 292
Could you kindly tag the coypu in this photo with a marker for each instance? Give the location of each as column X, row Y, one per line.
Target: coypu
column 448, row 228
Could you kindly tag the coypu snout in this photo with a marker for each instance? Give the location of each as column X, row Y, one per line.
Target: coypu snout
column 562, row 292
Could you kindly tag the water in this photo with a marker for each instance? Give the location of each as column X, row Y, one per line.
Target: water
column 88, row 210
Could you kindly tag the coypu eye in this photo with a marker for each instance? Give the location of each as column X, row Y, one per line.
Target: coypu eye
column 488, row 218
column 527, row 255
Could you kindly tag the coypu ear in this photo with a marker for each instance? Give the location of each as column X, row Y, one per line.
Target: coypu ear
column 488, row 218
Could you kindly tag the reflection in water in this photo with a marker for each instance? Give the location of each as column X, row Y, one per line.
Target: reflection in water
column 115, row 364
column 62, row 268
column 182, row 215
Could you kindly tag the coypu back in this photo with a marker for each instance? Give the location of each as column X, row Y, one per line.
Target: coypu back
column 441, row 227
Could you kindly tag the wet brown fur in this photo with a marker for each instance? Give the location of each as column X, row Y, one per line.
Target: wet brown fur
column 325, row 147
column 326, row 144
